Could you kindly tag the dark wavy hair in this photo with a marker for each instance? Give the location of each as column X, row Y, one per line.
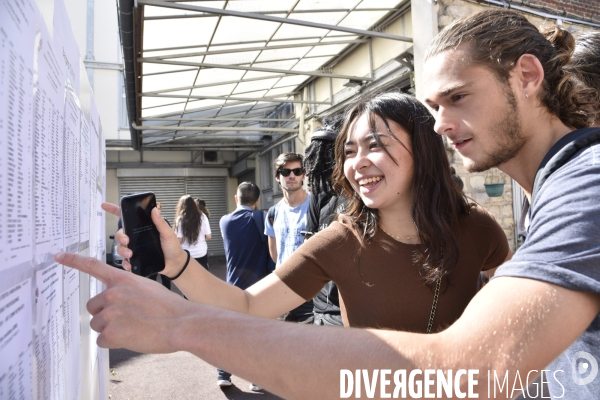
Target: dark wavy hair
column 437, row 203
column 585, row 65
column 189, row 217
column 319, row 158
column 497, row 38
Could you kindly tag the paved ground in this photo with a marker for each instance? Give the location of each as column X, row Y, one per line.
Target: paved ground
column 174, row 376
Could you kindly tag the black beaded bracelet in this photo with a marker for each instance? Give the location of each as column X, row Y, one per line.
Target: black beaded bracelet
column 184, row 266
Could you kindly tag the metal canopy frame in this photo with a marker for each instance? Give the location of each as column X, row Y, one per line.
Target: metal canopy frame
column 182, row 93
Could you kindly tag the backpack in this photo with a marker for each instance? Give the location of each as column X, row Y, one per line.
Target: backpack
column 561, row 152
column 259, row 220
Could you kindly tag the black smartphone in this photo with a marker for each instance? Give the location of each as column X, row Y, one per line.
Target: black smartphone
column 144, row 239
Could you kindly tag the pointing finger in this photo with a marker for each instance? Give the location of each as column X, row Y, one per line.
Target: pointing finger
column 111, row 208
column 91, row 266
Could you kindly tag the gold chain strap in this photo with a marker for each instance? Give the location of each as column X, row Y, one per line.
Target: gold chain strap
column 436, row 294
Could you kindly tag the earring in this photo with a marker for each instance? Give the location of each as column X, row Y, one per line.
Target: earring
column 526, row 95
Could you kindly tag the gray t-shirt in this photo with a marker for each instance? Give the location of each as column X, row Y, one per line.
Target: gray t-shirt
column 563, row 248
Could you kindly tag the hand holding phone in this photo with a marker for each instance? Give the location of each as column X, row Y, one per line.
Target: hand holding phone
column 144, row 238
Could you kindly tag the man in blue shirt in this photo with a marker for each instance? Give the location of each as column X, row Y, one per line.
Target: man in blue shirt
column 246, row 248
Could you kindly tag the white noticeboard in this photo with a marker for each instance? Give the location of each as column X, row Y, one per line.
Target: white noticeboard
column 52, row 181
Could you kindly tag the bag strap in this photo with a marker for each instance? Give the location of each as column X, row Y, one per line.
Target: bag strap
column 271, row 214
column 436, row 295
column 259, row 221
column 561, row 152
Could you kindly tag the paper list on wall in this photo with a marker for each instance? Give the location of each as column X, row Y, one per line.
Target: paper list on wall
column 16, row 370
column 94, row 168
column 49, row 342
column 71, row 149
column 84, row 184
column 71, row 332
column 102, row 241
column 17, row 34
column 48, row 123
column 66, row 45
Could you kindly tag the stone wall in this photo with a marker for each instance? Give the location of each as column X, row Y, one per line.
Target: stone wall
column 500, row 207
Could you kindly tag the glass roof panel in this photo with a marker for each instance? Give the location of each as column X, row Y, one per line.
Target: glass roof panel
column 168, row 52
column 291, row 80
column 260, row 5
column 216, row 75
column 331, row 18
column 149, row 102
column 338, row 36
column 259, row 74
column 379, row 3
column 168, row 81
column 216, row 46
column 152, row 11
column 204, row 104
column 282, row 90
column 231, row 109
column 166, row 110
column 282, row 65
column 330, row 50
column 279, row 54
column 252, row 95
column 306, row 42
column 232, row 58
column 256, row 85
column 220, row 90
column 153, row 68
column 362, row 19
column 288, row 31
column 326, row 4
column 177, row 32
column 310, row 64
column 235, row 29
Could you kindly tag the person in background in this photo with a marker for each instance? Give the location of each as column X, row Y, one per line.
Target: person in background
column 319, row 161
column 585, row 65
column 202, row 206
column 287, row 220
column 246, row 248
column 193, row 229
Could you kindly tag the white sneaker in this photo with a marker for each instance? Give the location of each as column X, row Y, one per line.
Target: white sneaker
column 255, row 388
column 224, row 382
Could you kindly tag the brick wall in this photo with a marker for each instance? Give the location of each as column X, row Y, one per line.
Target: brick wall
column 588, row 10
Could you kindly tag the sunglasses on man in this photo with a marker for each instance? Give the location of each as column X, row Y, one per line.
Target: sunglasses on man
column 286, row 171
